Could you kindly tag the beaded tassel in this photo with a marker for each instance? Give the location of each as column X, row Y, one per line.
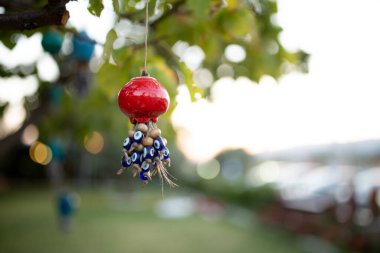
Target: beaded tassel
column 145, row 152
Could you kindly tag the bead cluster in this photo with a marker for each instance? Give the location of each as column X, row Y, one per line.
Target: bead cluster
column 146, row 153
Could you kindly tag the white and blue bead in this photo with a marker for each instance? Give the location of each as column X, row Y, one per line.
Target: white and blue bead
column 146, row 152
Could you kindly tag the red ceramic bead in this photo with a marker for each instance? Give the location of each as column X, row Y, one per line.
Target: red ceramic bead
column 143, row 99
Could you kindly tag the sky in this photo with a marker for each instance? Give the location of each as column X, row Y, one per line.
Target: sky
column 337, row 101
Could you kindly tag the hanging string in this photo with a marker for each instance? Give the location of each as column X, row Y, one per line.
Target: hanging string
column 145, row 71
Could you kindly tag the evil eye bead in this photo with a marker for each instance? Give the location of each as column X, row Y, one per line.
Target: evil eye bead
column 126, row 162
column 152, row 152
column 127, row 143
column 145, row 167
column 156, row 154
column 148, row 152
column 158, row 144
column 166, row 153
column 138, row 136
column 142, row 176
column 136, row 158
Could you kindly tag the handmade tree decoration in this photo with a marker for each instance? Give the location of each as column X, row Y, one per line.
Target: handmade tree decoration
column 143, row 99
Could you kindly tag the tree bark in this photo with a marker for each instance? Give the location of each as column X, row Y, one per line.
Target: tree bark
column 54, row 13
column 17, row 4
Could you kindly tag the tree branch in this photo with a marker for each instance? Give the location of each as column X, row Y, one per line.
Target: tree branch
column 17, row 4
column 140, row 18
column 54, row 13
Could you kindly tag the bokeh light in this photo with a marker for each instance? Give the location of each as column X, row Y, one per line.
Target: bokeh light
column 203, row 78
column 235, row 53
column 29, row 135
column 225, row 70
column 208, row 170
column 93, row 142
column 47, row 68
column 193, row 57
column 40, row 153
column 268, row 171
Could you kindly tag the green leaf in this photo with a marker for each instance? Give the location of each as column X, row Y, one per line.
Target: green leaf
column 233, row 4
column 201, row 8
column 96, row 7
column 110, row 79
column 116, row 8
column 159, row 69
column 235, row 23
column 108, row 46
column 7, row 40
column 188, row 79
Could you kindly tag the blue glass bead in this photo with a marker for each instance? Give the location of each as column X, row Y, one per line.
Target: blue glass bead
column 166, row 153
column 126, row 162
column 136, row 158
column 152, row 152
column 142, row 176
column 127, row 143
column 138, row 136
column 145, row 166
column 158, row 144
column 149, row 152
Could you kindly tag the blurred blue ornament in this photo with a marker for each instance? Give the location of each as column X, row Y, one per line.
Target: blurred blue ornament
column 66, row 204
column 83, row 47
column 56, row 94
column 57, row 150
column 52, row 42
column 82, row 80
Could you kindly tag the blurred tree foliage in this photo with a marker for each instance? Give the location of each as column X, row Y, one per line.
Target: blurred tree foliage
column 77, row 103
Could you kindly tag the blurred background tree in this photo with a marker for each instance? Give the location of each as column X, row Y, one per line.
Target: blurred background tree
column 60, row 122
column 64, row 125
column 227, row 38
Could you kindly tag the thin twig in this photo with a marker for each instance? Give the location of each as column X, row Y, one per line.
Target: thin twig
column 138, row 17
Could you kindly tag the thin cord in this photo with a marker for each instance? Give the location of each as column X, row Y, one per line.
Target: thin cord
column 146, row 36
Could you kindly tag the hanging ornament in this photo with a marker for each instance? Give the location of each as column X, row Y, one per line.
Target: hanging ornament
column 52, row 42
column 143, row 99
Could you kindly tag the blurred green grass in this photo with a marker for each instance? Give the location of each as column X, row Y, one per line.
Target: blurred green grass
column 107, row 221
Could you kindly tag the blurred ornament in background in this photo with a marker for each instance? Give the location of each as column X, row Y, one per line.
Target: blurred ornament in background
column 56, row 94
column 83, row 79
column 83, row 47
column 52, row 42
